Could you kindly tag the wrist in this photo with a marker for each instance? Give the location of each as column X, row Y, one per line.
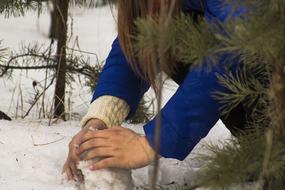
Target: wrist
column 111, row 110
column 147, row 148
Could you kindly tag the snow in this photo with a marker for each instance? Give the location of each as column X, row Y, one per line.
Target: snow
column 92, row 31
column 110, row 178
column 32, row 155
column 32, row 152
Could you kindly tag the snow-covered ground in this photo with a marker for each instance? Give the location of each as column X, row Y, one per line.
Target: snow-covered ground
column 91, row 31
column 32, row 152
column 28, row 161
column 32, row 155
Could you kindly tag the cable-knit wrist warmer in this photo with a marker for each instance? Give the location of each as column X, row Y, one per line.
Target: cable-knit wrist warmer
column 111, row 110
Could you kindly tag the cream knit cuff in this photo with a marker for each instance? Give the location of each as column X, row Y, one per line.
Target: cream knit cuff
column 110, row 109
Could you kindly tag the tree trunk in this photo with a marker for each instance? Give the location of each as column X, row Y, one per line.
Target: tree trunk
column 61, row 7
column 53, row 32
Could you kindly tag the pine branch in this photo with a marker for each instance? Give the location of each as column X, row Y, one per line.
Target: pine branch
column 242, row 87
column 91, row 3
column 19, row 7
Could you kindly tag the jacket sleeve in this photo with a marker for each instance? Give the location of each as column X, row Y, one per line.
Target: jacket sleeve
column 189, row 114
column 192, row 111
column 118, row 79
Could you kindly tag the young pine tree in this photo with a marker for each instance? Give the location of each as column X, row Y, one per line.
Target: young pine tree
column 255, row 158
column 58, row 32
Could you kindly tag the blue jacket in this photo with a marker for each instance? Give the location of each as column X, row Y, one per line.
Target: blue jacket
column 192, row 111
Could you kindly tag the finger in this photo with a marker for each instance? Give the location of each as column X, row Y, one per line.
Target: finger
column 68, row 172
column 98, row 152
column 73, row 170
column 110, row 162
column 77, row 138
column 74, row 154
column 93, row 143
column 117, row 127
column 63, row 169
column 73, row 144
column 75, row 157
column 96, row 134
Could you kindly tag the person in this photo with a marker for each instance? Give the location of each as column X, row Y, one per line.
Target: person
column 186, row 118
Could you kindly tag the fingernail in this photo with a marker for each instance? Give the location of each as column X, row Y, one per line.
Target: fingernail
column 91, row 167
column 76, row 145
column 91, row 128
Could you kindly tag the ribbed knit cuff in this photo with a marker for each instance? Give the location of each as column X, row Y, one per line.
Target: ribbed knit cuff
column 111, row 110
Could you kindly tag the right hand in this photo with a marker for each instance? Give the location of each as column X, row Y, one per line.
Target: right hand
column 70, row 165
column 118, row 147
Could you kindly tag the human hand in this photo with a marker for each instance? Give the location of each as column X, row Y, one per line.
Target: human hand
column 70, row 165
column 118, row 147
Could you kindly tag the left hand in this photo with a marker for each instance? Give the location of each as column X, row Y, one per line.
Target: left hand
column 70, row 165
column 118, row 147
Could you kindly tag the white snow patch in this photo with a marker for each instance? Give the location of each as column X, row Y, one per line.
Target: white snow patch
column 105, row 179
column 32, row 154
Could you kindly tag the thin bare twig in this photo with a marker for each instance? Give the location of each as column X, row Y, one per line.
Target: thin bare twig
column 268, row 149
column 38, row 97
column 48, row 143
column 160, row 54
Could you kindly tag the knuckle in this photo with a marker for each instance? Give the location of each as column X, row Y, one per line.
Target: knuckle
column 106, row 162
column 73, row 158
column 81, row 149
column 113, row 133
column 88, row 134
column 115, row 140
column 74, row 138
column 71, row 144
